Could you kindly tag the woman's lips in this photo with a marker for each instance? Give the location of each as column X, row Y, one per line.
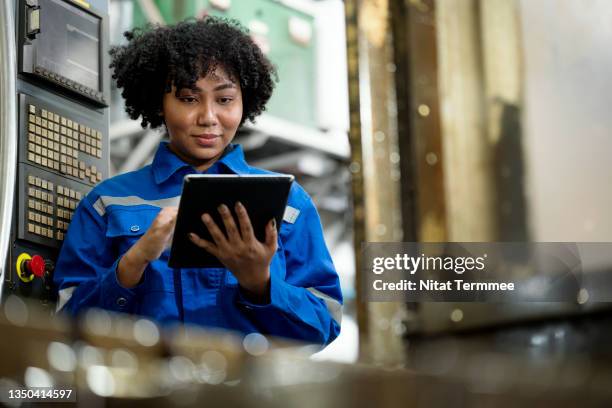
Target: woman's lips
column 206, row 140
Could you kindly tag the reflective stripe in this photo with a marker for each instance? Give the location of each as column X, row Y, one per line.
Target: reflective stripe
column 64, row 296
column 104, row 201
column 333, row 306
column 291, row 214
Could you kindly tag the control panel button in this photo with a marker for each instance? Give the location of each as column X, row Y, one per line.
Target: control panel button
column 36, row 266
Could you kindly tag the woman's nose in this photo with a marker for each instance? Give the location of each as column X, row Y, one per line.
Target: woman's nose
column 207, row 115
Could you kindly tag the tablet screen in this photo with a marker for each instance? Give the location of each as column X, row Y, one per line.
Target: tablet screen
column 264, row 197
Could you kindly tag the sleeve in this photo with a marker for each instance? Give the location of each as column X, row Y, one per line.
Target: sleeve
column 85, row 273
column 305, row 296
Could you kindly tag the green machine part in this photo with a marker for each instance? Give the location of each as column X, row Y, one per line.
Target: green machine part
column 294, row 97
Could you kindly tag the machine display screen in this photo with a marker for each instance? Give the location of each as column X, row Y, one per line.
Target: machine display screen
column 70, row 43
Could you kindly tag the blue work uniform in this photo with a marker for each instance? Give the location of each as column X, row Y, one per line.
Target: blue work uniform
column 305, row 299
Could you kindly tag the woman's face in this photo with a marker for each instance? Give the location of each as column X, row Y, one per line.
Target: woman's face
column 202, row 121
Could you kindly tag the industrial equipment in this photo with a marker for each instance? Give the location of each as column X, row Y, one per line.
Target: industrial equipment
column 61, row 93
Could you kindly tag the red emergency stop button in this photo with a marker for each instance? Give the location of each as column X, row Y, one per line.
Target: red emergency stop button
column 28, row 267
column 36, row 266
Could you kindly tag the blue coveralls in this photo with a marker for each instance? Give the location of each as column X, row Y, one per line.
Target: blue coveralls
column 305, row 296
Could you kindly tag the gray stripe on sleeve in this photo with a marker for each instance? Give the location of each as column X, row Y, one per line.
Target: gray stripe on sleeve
column 333, row 306
column 291, row 214
column 64, row 296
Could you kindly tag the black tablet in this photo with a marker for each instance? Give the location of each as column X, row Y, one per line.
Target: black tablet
column 264, row 196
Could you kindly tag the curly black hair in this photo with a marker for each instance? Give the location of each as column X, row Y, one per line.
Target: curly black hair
column 157, row 57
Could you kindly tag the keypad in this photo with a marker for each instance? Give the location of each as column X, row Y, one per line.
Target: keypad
column 59, row 143
column 50, row 207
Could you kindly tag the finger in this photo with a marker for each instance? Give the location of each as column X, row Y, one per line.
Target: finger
column 271, row 236
column 172, row 213
column 169, row 212
column 166, row 218
column 169, row 241
column 216, row 234
column 246, row 228
column 172, row 217
column 230, row 225
column 204, row 244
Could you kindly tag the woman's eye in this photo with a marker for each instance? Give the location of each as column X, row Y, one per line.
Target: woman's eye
column 188, row 99
column 225, row 101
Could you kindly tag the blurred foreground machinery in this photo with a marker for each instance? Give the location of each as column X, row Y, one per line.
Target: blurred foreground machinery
column 117, row 361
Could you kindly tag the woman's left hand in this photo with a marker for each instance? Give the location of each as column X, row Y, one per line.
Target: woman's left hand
column 240, row 251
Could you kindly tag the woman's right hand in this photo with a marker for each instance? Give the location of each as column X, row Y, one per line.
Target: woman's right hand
column 148, row 248
column 159, row 235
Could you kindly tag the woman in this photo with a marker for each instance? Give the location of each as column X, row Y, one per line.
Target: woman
column 201, row 80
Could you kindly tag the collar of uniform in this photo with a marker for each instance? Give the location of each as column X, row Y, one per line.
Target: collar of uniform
column 166, row 163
